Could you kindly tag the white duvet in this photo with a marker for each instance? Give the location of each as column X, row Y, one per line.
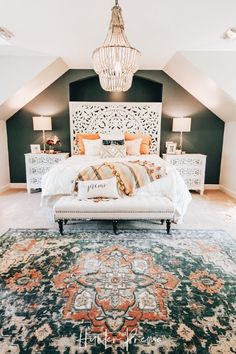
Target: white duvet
column 60, row 180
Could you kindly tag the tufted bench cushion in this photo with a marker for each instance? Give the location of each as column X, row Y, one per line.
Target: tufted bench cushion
column 130, row 208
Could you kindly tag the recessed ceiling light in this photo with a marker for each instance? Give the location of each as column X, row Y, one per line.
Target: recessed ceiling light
column 230, row 33
column 5, row 34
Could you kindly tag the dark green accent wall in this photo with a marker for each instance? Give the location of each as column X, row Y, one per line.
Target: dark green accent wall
column 206, row 136
column 142, row 90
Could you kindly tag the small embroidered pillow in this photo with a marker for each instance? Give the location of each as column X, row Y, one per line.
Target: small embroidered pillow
column 105, row 188
column 112, row 151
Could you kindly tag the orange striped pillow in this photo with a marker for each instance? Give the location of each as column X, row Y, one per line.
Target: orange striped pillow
column 79, row 140
column 145, row 144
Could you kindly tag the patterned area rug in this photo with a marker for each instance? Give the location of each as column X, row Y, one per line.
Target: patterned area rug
column 137, row 292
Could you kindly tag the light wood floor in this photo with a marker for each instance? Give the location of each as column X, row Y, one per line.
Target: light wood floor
column 214, row 210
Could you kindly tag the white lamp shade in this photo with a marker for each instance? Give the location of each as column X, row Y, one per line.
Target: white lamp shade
column 181, row 125
column 42, row 123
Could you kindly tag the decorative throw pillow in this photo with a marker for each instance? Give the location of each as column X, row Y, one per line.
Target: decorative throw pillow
column 105, row 188
column 92, row 147
column 81, row 136
column 113, row 142
column 112, row 151
column 113, row 136
column 145, row 144
column 133, row 146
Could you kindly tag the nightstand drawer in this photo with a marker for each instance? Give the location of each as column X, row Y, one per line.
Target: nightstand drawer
column 39, row 164
column 191, row 167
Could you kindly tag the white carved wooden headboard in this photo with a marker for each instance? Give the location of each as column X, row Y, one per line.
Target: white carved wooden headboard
column 105, row 117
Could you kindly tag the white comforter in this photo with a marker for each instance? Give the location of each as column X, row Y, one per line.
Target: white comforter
column 60, row 180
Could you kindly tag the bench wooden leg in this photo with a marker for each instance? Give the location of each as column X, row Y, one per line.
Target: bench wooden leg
column 61, row 227
column 114, row 224
column 168, row 225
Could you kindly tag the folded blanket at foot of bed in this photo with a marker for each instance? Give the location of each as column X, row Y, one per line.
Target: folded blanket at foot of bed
column 130, row 175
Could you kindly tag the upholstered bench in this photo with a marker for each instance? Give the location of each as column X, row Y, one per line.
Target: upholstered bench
column 130, row 208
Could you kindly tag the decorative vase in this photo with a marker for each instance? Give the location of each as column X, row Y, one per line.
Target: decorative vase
column 51, row 149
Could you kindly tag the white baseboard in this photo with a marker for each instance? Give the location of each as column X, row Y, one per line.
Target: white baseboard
column 5, row 188
column 228, row 191
column 212, row 186
column 18, row 185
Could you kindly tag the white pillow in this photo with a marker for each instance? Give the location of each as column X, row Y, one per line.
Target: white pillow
column 133, row 146
column 105, row 188
column 112, row 136
column 92, row 147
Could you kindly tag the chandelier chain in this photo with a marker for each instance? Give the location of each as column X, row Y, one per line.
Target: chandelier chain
column 116, row 60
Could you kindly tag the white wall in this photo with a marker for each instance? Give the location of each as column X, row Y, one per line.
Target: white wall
column 219, row 66
column 4, row 163
column 16, row 71
column 228, row 163
column 23, row 78
column 199, row 81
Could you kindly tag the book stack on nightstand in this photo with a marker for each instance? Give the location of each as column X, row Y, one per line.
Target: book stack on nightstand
column 37, row 165
column 191, row 167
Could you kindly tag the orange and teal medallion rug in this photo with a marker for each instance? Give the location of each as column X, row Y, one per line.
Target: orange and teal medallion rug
column 137, row 292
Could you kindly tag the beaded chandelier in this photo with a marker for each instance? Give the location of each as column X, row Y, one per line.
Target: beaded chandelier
column 116, row 61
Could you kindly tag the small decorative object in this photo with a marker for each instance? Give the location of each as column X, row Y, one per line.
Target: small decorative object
column 171, row 148
column 168, row 142
column 52, row 142
column 181, row 125
column 42, row 123
column 35, row 148
column 116, row 60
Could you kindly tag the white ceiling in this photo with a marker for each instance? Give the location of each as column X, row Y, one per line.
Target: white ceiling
column 72, row 29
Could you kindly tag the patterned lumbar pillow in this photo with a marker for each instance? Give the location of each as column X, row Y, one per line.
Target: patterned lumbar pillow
column 113, row 142
column 113, row 139
column 112, row 151
column 105, row 188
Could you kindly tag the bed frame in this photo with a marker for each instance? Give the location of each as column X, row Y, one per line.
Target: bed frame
column 107, row 117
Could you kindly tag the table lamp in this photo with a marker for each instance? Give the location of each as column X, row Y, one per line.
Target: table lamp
column 181, row 125
column 42, row 123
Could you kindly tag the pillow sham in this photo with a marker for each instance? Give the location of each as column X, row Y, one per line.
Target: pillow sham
column 145, row 144
column 105, row 188
column 81, row 136
column 92, row 147
column 133, row 146
column 107, row 151
column 113, row 142
column 112, row 136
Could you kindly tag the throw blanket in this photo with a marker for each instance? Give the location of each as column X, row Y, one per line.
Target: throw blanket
column 130, row 175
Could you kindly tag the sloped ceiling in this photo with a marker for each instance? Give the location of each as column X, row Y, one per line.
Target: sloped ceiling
column 71, row 30
column 209, row 77
column 23, row 78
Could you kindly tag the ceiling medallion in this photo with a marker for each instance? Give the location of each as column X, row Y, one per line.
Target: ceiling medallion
column 116, row 61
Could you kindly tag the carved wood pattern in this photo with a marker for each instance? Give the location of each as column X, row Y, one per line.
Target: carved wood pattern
column 191, row 167
column 107, row 117
column 38, row 164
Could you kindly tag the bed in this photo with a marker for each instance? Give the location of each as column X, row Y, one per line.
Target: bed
column 142, row 118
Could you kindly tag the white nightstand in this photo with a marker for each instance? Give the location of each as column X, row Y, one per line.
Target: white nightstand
column 191, row 167
column 37, row 165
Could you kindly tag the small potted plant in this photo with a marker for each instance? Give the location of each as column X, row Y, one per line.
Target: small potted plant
column 52, row 142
